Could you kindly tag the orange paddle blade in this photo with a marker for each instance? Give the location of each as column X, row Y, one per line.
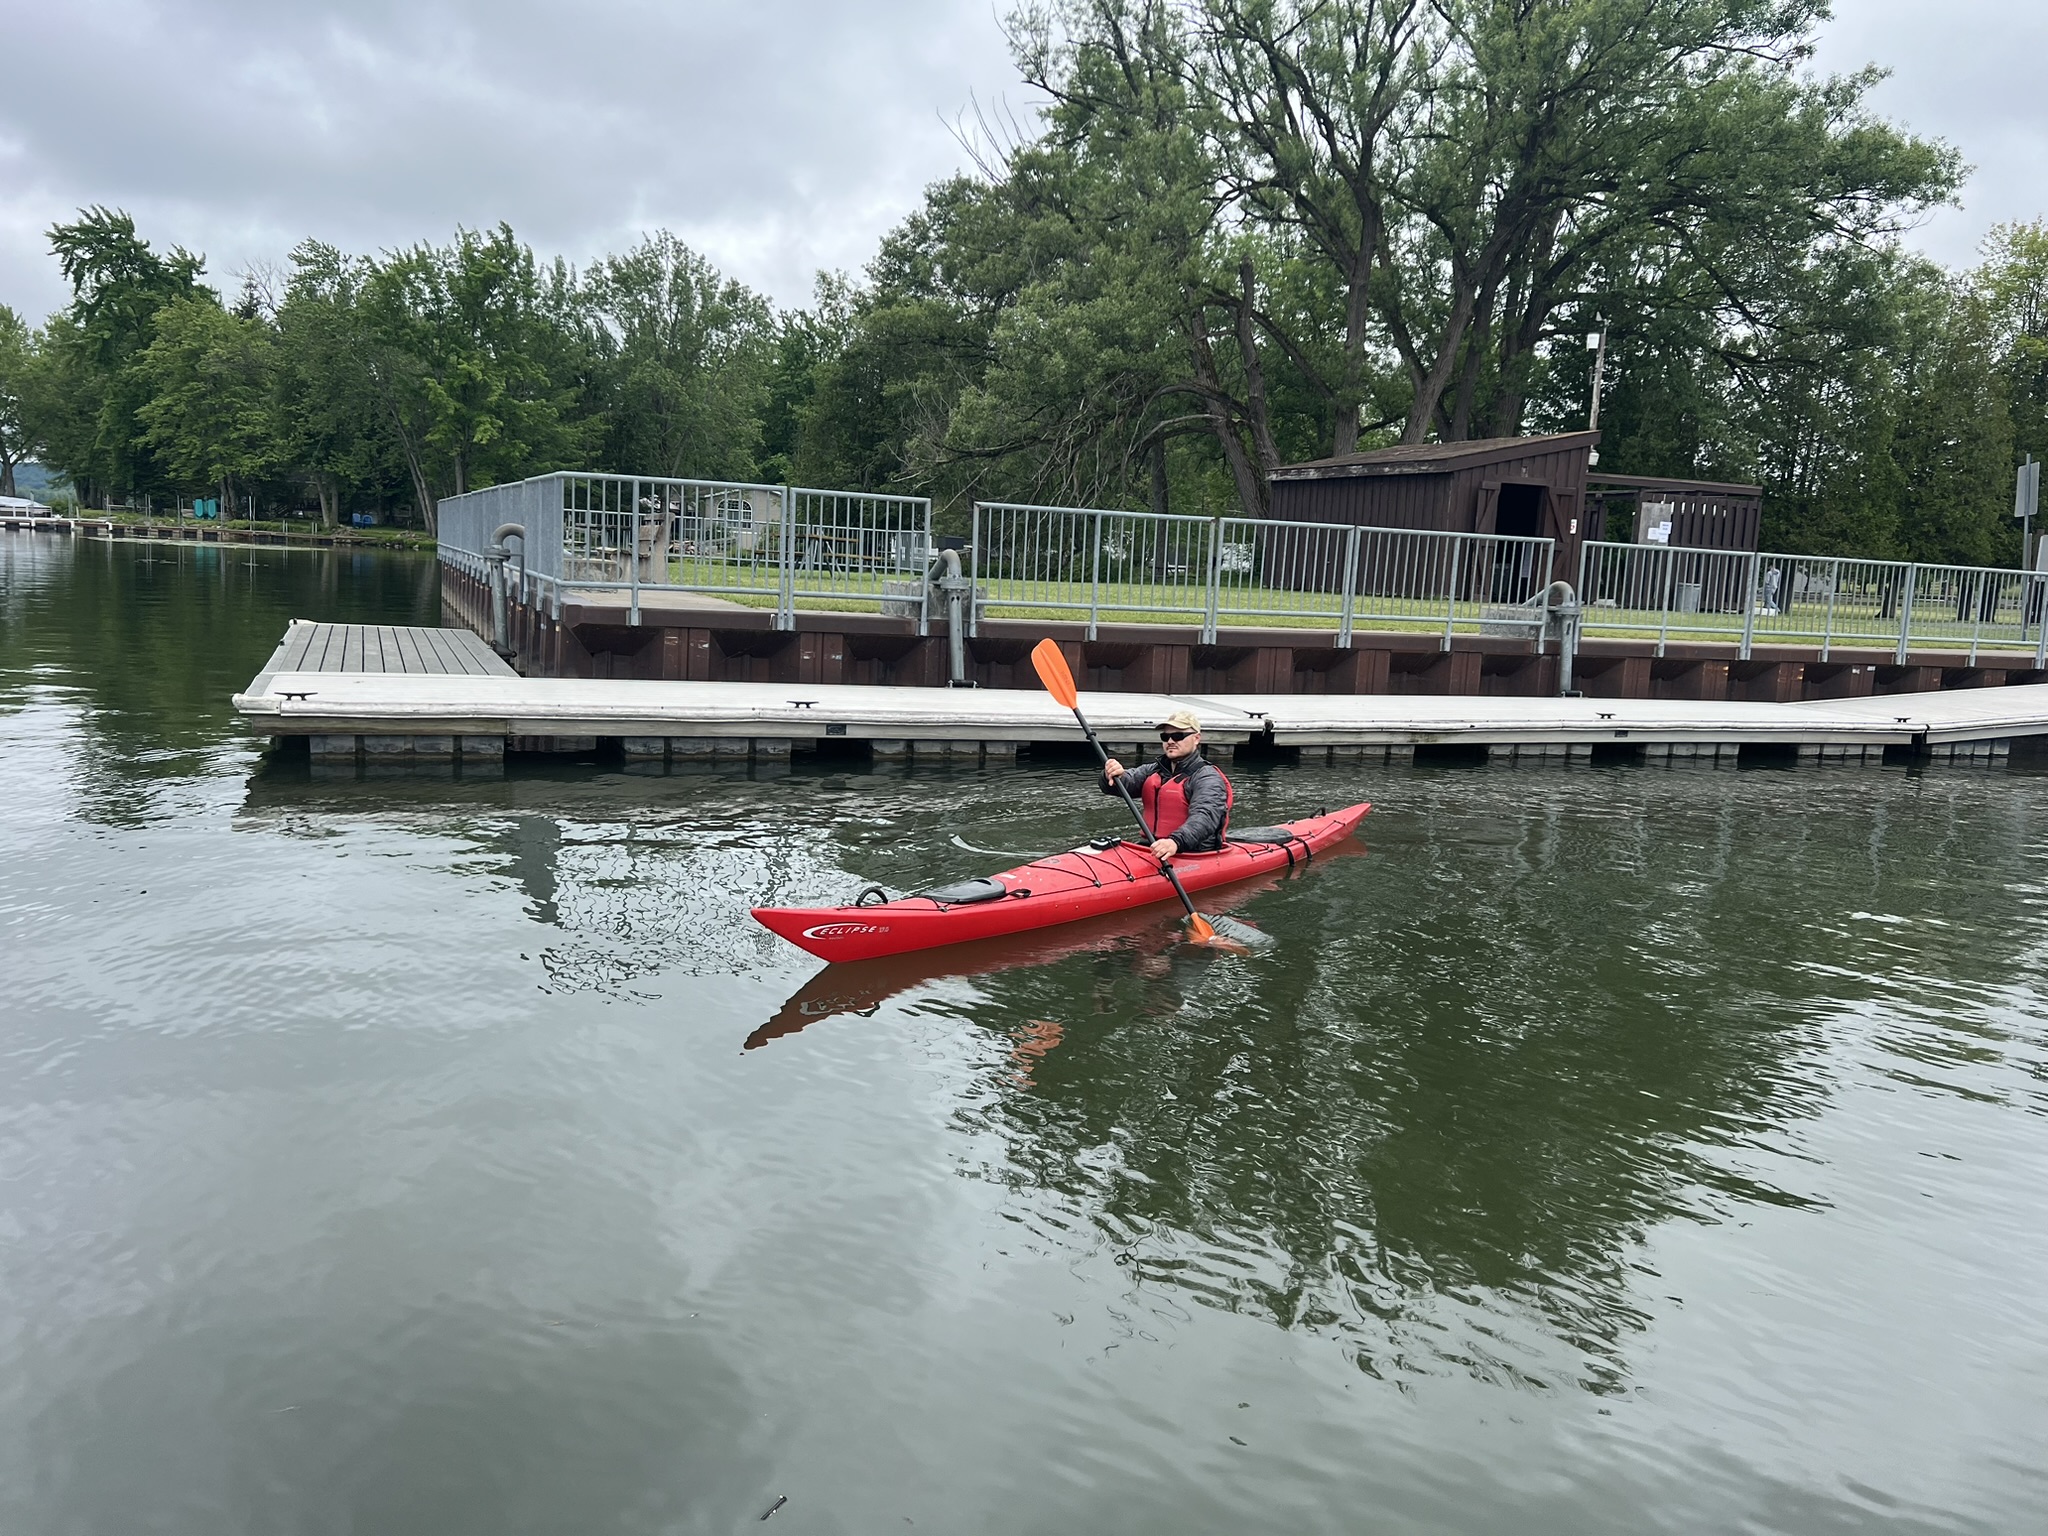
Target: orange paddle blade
column 1237, row 939
column 1051, row 665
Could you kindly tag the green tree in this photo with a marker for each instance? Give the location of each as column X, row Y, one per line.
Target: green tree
column 332, row 426
column 15, row 391
column 209, row 378
column 2013, row 285
column 118, row 283
column 806, row 340
column 689, row 356
column 457, row 346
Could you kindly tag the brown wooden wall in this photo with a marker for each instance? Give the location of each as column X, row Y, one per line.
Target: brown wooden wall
column 1412, row 500
column 1459, row 498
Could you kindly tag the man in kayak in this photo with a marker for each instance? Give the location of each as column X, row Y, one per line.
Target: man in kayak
column 1185, row 797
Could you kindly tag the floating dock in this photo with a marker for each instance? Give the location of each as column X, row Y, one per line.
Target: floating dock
column 380, row 693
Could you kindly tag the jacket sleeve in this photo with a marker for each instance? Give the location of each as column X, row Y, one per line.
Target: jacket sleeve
column 1133, row 780
column 1208, row 803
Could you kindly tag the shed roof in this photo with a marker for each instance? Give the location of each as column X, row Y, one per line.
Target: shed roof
column 1656, row 483
column 1435, row 458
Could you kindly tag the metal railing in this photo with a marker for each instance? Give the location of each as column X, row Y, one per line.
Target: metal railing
column 1406, row 578
column 1088, row 563
column 1826, row 601
column 775, row 546
column 1091, row 565
column 764, row 546
column 852, row 549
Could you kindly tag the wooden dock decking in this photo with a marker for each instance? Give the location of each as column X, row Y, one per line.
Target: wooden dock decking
column 380, row 650
column 380, row 691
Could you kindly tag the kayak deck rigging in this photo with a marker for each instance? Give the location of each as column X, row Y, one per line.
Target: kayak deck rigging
column 1105, row 876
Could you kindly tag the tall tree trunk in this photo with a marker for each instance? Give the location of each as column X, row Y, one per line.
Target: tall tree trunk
column 429, row 509
column 1430, row 384
column 1216, row 406
column 1261, row 420
column 1357, row 313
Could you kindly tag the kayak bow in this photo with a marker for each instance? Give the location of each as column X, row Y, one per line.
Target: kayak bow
column 1062, row 888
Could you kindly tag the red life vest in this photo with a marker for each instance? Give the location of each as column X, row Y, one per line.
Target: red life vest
column 1166, row 803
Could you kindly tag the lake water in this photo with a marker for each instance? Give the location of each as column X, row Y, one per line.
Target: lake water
column 1597, row 1150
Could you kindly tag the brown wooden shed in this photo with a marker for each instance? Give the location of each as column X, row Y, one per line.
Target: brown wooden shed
column 1700, row 514
column 1531, row 486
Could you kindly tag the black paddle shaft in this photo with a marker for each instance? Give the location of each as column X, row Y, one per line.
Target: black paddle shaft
column 1165, row 868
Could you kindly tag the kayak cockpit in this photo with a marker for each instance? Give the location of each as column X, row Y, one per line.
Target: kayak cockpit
column 963, row 893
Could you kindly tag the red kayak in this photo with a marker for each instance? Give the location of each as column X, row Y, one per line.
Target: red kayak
column 1062, row 888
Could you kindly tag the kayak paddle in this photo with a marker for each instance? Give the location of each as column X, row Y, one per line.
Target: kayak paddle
column 1051, row 665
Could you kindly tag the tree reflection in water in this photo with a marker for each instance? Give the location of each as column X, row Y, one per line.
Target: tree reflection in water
column 1442, row 1119
column 1441, row 1122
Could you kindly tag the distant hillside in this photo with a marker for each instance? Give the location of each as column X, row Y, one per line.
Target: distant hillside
column 34, row 480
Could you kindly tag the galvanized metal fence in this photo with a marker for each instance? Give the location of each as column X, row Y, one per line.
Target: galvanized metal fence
column 1404, row 578
column 1090, row 563
column 851, row 549
column 1093, row 564
column 775, row 546
column 765, row 546
column 1663, row 592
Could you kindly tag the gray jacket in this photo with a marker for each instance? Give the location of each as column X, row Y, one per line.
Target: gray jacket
column 1208, row 798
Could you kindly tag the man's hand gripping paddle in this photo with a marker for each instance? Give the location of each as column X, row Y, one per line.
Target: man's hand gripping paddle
column 1214, row 933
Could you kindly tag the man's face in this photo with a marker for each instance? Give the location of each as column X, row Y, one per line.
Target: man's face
column 1183, row 747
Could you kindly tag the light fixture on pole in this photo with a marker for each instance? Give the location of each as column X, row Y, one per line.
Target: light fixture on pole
column 1596, row 343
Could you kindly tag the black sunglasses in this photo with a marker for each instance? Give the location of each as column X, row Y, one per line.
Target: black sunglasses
column 1176, row 735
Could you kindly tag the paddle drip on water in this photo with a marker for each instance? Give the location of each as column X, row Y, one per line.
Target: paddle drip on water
column 1211, row 933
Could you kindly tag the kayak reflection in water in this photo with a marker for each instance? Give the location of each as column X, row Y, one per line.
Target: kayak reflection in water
column 861, row 987
column 1185, row 797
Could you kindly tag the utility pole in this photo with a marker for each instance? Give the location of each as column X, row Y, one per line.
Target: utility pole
column 2026, row 501
column 1596, row 343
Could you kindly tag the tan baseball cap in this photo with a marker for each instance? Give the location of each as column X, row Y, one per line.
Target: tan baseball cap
column 1182, row 720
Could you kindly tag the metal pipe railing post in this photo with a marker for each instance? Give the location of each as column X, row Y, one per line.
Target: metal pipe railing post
column 2037, row 593
column 1749, row 605
column 1664, row 624
column 1827, row 627
column 1351, row 546
column 1451, row 605
column 1095, row 576
column 1215, row 582
column 974, row 568
column 633, row 551
column 925, row 555
column 1906, row 615
column 1976, row 591
column 785, row 600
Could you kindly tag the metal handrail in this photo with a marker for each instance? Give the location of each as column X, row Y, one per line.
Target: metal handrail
column 776, row 545
column 1827, row 601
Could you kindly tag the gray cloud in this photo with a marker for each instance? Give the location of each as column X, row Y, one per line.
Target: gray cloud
column 1966, row 71
column 779, row 137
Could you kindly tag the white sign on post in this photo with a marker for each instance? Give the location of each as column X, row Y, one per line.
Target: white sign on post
column 2026, row 491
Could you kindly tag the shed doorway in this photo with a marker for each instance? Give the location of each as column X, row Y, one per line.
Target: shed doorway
column 1517, row 513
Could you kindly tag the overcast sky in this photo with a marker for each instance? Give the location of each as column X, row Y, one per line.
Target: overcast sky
column 777, row 136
